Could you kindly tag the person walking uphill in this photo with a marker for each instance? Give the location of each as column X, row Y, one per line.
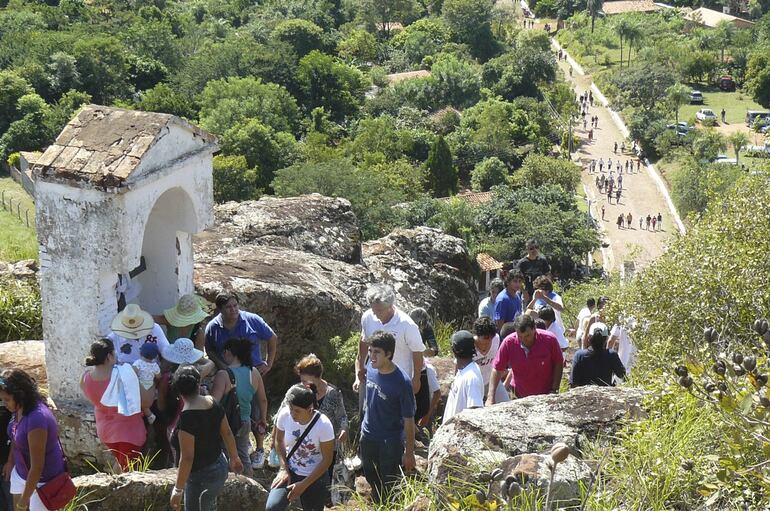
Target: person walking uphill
column 467, row 390
column 123, row 433
column 304, row 439
column 535, row 360
column 202, row 432
column 387, row 431
column 36, row 455
column 230, row 323
column 408, row 351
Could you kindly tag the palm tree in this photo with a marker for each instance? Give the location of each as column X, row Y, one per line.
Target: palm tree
column 738, row 139
column 622, row 30
column 633, row 37
column 724, row 34
column 594, row 7
column 677, row 96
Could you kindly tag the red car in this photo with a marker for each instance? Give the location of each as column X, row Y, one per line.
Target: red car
column 726, row 83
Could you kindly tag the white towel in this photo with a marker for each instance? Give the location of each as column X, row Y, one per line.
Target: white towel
column 123, row 390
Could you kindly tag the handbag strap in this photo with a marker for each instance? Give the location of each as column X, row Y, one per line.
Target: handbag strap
column 302, row 436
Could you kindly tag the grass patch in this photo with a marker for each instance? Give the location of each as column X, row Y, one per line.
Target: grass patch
column 17, row 241
column 735, row 104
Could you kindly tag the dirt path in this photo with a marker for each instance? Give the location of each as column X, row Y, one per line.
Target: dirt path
column 640, row 195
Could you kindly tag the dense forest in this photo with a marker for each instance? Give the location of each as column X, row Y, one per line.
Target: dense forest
column 305, row 96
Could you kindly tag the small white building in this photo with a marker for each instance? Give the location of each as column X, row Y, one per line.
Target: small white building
column 119, row 192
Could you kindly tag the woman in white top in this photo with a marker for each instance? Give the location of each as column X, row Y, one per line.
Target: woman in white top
column 487, row 344
column 304, row 468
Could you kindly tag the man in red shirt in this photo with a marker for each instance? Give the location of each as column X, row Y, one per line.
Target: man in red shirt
column 535, row 360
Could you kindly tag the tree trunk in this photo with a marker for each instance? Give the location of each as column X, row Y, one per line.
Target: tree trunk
column 621, row 51
column 593, row 20
column 630, row 47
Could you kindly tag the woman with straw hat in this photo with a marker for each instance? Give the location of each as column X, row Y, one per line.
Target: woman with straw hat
column 185, row 319
column 131, row 328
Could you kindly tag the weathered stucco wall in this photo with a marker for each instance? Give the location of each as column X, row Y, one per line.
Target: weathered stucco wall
column 87, row 237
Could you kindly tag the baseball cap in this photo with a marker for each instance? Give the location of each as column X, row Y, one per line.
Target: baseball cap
column 463, row 344
column 599, row 327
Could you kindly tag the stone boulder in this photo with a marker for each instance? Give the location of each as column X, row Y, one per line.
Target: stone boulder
column 305, row 279
column 487, row 436
column 319, row 225
column 427, row 268
column 138, row 491
column 26, row 355
column 25, row 269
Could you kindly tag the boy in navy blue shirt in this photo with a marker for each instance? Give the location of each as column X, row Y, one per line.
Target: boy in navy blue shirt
column 387, row 432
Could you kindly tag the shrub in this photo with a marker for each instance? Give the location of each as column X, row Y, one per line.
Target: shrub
column 20, row 313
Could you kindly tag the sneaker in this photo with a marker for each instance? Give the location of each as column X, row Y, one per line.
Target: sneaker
column 258, row 459
column 272, row 459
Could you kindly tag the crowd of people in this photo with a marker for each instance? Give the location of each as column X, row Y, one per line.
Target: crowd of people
column 192, row 389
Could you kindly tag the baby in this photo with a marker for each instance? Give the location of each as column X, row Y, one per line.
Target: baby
column 147, row 368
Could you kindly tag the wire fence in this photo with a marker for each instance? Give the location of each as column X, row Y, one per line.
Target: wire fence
column 13, row 205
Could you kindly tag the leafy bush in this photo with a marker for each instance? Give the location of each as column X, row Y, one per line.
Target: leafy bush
column 20, row 312
column 340, row 367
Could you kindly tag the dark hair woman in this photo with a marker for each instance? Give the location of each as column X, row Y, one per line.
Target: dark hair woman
column 36, row 454
column 203, row 429
column 124, row 435
column 304, row 467
column 596, row 365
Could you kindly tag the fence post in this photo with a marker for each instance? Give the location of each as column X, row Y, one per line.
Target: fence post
column 26, row 216
column 18, row 210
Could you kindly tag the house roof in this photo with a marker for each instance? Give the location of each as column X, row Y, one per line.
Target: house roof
column 103, row 146
column 408, row 75
column 710, row 18
column 622, row 6
column 472, row 198
column 30, row 156
column 488, row 263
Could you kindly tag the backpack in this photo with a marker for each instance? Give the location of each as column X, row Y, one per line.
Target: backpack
column 232, row 406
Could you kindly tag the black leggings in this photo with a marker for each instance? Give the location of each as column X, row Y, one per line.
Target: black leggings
column 422, row 397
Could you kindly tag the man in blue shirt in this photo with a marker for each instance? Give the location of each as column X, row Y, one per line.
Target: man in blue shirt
column 509, row 301
column 232, row 323
column 387, row 431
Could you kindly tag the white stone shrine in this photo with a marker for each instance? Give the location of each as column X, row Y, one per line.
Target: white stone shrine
column 120, row 192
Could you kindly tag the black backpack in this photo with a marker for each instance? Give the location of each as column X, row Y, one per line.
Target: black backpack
column 231, row 406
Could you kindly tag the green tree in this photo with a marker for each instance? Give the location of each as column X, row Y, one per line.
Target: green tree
column 758, row 76
column 302, row 35
column 359, row 46
column 488, row 173
column 441, row 172
column 103, row 68
column 264, row 149
column 164, row 98
column 471, row 23
column 539, row 170
column 12, row 87
column 224, row 103
column 384, row 12
column 233, row 179
column 456, row 81
column 63, row 71
column 621, row 28
column 677, row 95
column 327, row 82
column 634, row 36
column 426, row 36
column 594, row 7
column 725, row 33
column 738, row 140
column 707, row 144
column 30, row 132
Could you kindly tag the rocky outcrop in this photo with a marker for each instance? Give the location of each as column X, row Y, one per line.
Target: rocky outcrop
column 28, row 356
column 138, row 491
column 488, row 436
column 299, row 263
column 21, row 270
column 319, row 225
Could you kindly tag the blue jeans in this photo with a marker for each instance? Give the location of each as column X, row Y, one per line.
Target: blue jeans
column 204, row 486
column 313, row 499
column 382, row 465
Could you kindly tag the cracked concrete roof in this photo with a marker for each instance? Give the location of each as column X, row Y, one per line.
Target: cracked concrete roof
column 103, row 146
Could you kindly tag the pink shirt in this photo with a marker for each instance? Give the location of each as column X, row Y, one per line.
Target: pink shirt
column 111, row 427
column 532, row 371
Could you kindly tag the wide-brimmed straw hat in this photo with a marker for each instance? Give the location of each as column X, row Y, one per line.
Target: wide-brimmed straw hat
column 182, row 352
column 132, row 322
column 187, row 311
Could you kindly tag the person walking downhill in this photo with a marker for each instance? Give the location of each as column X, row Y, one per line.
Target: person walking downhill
column 654, row 221
column 641, row 220
column 660, row 222
column 617, row 196
column 202, row 432
column 629, row 219
column 647, row 223
column 602, row 211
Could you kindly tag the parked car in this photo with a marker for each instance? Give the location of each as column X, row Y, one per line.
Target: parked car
column 726, row 83
column 696, row 97
column 682, row 128
column 723, row 158
column 705, row 114
column 753, row 116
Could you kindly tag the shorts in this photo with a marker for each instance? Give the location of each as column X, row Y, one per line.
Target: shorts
column 17, row 488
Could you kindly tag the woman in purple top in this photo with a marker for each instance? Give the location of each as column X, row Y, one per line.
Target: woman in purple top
column 36, row 456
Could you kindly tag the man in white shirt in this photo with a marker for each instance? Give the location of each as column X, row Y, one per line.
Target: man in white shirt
column 385, row 316
column 545, row 295
column 487, row 305
column 583, row 315
column 468, row 386
column 548, row 315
